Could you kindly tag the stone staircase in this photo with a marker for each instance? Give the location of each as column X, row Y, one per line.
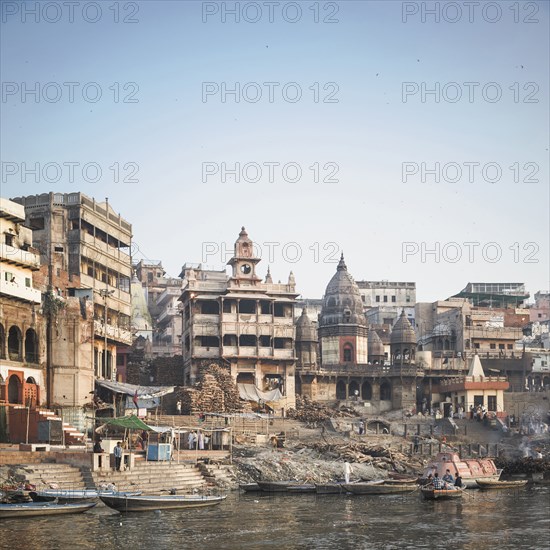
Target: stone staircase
column 222, row 475
column 477, row 432
column 51, row 475
column 72, row 437
column 154, row 478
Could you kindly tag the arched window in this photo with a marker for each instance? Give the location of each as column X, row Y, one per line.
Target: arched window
column 14, row 390
column 348, row 353
column 2, row 342
column 366, row 391
column 353, row 387
column 385, row 391
column 31, row 346
column 341, row 392
column 14, row 344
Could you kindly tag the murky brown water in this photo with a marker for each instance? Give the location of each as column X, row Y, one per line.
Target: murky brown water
column 505, row 520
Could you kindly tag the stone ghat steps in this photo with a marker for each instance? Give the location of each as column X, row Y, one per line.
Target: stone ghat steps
column 61, row 475
column 154, row 478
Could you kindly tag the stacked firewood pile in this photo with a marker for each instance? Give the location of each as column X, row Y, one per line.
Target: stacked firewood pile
column 215, row 392
column 311, row 411
column 380, row 456
column 523, row 466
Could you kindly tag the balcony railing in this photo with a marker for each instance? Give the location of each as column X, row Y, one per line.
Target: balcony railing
column 17, row 256
column 114, row 333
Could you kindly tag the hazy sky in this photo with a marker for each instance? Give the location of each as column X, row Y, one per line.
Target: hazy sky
column 167, row 119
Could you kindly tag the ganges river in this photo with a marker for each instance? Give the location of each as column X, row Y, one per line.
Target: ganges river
column 505, row 520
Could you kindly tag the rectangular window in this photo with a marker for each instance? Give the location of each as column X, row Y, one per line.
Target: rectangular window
column 378, row 298
column 510, row 346
column 476, row 345
column 9, row 277
column 393, row 298
column 493, row 346
column 385, row 298
column 501, row 346
column 9, row 239
column 27, row 282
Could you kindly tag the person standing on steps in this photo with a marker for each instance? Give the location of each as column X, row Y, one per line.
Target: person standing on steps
column 347, row 471
column 118, row 455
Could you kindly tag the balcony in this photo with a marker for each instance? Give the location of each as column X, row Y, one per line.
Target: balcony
column 94, row 245
column 199, row 352
column 168, row 314
column 168, row 294
column 116, row 334
column 21, row 292
column 283, row 353
column 19, row 257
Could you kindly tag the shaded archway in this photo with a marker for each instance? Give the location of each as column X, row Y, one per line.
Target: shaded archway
column 353, row 387
column 366, row 391
column 341, row 392
column 2, row 342
column 31, row 346
column 348, row 353
column 14, row 344
column 385, row 391
column 14, row 390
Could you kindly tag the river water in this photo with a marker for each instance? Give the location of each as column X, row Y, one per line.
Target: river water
column 503, row 519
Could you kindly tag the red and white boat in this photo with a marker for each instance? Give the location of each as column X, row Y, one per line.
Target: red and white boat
column 470, row 469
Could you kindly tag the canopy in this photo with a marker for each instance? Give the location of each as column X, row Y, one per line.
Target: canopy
column 249, row 392
column 143, row 392
column 131, row 422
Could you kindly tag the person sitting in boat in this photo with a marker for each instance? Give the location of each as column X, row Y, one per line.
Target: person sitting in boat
column 458, row 480
column 448, row 477
column 438, row 483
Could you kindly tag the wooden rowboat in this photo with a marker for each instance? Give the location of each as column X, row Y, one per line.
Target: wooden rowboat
column 486, row 484
column 29, row 509
column 250, row 487
column 67, row 496
column 285, row 486
column 147, row 503
column 429, row 493
column 370, row 488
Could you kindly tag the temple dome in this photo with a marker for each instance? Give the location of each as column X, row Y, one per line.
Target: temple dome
column 342, row 303
column 306, row 330
column 403, row 331
column 375, row 345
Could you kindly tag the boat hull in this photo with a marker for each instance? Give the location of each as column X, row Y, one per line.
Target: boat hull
column 250, row 487
column 378, row 488
column 330, row 488
column 441, row 494
column 501, row 484
column 31, row 509
column 68, row 496
column 285, row 486
column 150, row 503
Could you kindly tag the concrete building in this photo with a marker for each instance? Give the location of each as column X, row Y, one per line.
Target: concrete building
column 540, row 310
column 387, row 293
column 241, row 323
column 22, row 329
column 86, row 270
column 498, row 295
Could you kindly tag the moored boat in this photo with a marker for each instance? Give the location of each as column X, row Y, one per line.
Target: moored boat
column 74, row 495
column 302, row 488
column 329, row 488
column 404, row 481
column 492, row 484
column 250, row 487
column 430, row 493
column 30, row 509
column 370, row 488
column 284, row 486
column 146, row 503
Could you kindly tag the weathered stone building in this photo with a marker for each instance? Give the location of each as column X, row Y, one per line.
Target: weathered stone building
column 22, row 329
column 240, row 322
column 351, row 365
column 85, row 272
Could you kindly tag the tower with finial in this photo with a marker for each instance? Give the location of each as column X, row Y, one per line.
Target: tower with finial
column 244, row 261
column 403, row 341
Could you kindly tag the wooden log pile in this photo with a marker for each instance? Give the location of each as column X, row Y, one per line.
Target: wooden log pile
column 523, row 465
column 311, row 411
column 379, row 455
column 215, row 392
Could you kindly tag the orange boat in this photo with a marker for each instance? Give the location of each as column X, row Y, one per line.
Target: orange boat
column 470, row 469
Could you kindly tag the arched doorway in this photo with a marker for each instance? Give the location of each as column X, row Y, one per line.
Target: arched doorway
column 341, row 392
column 14, row 344
column 353, row 388
column 31, row 346
column 366, row 391
column 385, row 391
column 2, row 342
column 14, row 390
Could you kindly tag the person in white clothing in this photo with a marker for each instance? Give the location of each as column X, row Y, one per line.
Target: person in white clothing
column 347, row 471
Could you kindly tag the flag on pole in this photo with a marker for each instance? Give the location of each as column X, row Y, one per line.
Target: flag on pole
column 136, row 399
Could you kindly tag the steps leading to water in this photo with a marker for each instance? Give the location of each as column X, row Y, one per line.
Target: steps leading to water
column 46, row 475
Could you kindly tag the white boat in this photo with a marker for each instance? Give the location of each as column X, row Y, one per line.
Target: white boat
column 30, row 509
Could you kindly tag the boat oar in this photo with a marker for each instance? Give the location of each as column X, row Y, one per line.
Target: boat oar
column 464, row 491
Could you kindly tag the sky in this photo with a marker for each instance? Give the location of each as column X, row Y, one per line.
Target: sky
column 411, row 136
